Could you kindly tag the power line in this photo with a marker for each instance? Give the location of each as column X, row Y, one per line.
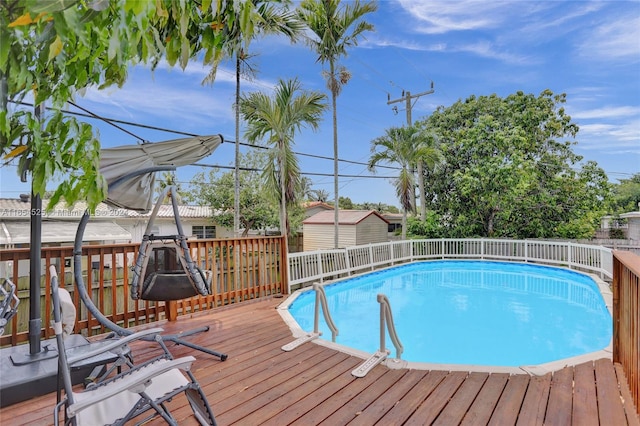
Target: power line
column 178, row 132
column 253, row 169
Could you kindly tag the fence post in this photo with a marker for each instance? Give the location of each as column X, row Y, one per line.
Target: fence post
column 371, row 256
column 347, row 261
column 569, row 254
column 319, row 263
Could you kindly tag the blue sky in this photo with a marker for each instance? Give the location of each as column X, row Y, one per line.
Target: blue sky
column 588, row 50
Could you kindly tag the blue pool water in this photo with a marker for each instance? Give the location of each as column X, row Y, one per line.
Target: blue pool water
column 469, row 312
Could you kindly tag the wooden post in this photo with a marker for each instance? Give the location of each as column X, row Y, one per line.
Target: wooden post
column 172, row 310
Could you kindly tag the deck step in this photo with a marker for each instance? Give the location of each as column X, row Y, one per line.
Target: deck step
column 368, row 365
column 300, row 341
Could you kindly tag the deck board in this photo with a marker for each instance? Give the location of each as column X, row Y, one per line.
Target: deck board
column 535, row 401
column 261, row 384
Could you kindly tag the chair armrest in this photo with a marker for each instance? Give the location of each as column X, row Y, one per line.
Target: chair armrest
column 117, row 343
column 136, row 382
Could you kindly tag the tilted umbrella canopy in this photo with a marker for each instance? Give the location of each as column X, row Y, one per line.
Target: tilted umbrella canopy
column 137, row 192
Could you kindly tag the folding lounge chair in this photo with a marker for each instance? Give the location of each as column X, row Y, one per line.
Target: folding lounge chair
column 8, row 303
column 138, row 394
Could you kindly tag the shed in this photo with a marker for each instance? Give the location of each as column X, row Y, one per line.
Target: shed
column 633, row 225
column 355, row 227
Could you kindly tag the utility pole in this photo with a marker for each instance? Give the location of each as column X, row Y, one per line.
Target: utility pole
column 407, row 97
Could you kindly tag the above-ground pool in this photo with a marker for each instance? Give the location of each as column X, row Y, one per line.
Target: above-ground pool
column 468, row 312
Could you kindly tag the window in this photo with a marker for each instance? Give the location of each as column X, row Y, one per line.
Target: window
column 208, row 231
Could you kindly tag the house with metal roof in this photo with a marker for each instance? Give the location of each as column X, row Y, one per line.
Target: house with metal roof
column 355, row 227
column 108, row 225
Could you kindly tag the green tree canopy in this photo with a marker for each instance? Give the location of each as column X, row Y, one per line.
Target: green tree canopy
column 52, row 50
column 626, row 195
column 217, row 190
column 509, row 170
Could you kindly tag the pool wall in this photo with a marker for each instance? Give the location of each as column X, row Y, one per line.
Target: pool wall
column 540, row 369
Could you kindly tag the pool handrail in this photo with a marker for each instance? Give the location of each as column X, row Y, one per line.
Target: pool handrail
column 321, row 299
column 386, row 324
column 386, row 317
column 321, row 296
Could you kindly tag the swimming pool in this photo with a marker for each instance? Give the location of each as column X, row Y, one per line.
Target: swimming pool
column 469, row 312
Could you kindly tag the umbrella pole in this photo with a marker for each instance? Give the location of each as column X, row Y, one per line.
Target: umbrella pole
column 35, row 321
column 35, row 276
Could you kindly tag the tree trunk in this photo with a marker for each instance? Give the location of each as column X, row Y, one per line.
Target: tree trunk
column 334, row 95
column 236, row 197
column 423, row 198
column 283, row 202
column 404, row 224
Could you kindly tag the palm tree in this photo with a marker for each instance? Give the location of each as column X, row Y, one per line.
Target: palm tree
column 427, row 155
column 404, row 147
column 330, row 26
column 264, row 18
column 278, row 118
column 321, row 195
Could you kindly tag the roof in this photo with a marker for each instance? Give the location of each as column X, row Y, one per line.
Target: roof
column 345, row 217
column 13, row 208
column 56, row 231
column 312, row 204
column 630, row 215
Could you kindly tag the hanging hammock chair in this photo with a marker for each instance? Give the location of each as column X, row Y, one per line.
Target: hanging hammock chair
column 164, row 269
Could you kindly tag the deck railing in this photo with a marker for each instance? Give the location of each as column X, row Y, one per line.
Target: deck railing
column 242, row 269
column 308, row 267
column 626, row 318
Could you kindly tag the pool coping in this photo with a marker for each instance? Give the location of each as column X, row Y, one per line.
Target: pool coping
column 394, row 363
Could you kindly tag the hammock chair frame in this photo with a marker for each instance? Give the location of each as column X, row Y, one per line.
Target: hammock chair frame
column 175, row 280
column 87, row 300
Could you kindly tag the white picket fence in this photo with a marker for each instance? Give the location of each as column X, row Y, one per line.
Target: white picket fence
column 306, row 268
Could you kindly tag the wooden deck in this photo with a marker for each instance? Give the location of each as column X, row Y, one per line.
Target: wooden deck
column 262, row 385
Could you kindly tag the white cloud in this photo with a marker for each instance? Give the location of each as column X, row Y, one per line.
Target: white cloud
column 139, row 99
column 608, row 112
column 406, row 45
column 488, row 50
column 616, row 38
column 441, row 17
column 623, row 137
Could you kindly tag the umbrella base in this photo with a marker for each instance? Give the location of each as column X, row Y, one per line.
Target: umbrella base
column 20, row 382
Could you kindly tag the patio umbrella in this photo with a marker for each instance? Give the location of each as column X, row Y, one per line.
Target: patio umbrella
column 137, row 193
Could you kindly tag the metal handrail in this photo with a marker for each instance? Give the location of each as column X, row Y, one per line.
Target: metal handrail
column 321, row 297
column 387, row 316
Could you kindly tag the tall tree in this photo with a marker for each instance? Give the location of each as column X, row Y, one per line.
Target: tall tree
column 428, row 156
column 277, row 118
column 321, row 195
column 51, row 50
column 401, row 146
column 264, row 18
column 216, row 190
column 509, row 170
column 334, row 29
column 626, row 195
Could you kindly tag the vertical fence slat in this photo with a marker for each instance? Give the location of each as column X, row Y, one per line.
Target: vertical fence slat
column 626, row 318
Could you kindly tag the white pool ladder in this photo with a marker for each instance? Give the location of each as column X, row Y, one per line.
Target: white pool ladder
column 385, row 317
column 321, row 299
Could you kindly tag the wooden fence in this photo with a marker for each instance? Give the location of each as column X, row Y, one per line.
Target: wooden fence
column 626, row 318
column 242, row 269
